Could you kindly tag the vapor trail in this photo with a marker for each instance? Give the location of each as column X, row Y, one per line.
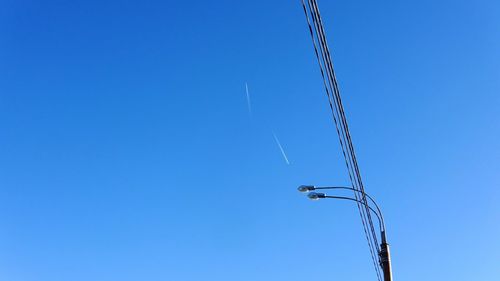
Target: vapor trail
column 281, row 148
column 248, row 99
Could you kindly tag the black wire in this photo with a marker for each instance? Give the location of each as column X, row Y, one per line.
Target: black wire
column 339, row 105
column 372, row 244
column 331, row 106
column 344, row 121
column 344, row 136
column 327, row 62
column 364, row 212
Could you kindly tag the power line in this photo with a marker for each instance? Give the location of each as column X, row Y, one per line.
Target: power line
column 341, row 109
column 338, row 114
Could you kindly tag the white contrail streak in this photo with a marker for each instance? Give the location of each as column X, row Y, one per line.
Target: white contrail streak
column 281, row 148
column 248, row 99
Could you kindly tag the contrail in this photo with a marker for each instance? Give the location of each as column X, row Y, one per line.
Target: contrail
column 248, row 99
column 281, row 148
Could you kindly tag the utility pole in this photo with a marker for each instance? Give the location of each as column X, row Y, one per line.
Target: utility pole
column 385, row 258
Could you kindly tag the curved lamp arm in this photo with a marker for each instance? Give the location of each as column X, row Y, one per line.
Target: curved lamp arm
column 315, row 196
column 381, row 217
column 307, row 188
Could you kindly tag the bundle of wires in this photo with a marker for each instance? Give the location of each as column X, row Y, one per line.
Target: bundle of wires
column 322, row 52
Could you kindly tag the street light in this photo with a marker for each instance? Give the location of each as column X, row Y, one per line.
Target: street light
column 306, row 188
column 316, row 195
column 384, row 253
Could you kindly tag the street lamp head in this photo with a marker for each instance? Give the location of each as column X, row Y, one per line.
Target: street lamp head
column 306, row 188
column 315, row 195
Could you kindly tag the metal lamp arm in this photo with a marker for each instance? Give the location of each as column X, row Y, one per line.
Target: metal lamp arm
column 382, row 229
column 378, row 212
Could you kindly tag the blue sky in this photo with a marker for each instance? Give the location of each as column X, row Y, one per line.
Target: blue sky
column 127, row 151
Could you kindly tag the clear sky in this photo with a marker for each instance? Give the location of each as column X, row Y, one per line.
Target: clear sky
column 127, row 151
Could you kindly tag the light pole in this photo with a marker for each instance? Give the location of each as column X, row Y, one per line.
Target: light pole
column 384, row 253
